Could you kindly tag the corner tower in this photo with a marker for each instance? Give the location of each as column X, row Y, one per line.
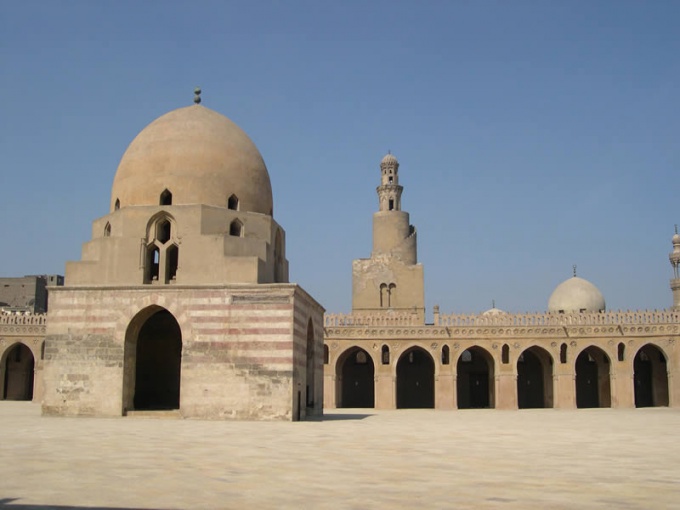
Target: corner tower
column 674, row 257
column 392, row 279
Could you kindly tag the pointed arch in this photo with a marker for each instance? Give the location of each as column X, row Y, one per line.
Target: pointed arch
column 385, row 355
column 391, row 295
column 166, row 197
column 18, row 365
column 475, row 378
column 415, row 379
column 152, row 361
column 446, row 358
column 593, row 385
column 116, row 206
column 152, row 264
column 534, row 378
column 163, row 230
column 236, row 228
column 107, row 229
column 355, row 379
column 233, row 203
column 650, row 376
column 161, row 256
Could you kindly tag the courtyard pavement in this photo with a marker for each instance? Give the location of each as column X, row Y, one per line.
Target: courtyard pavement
column 352, row 459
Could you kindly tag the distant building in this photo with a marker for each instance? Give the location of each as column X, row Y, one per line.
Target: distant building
column 27, row 294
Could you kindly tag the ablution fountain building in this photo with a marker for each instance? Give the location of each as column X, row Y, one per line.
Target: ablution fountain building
column 181, row 304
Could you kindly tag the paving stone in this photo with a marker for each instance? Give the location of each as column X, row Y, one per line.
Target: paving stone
column 350, row 459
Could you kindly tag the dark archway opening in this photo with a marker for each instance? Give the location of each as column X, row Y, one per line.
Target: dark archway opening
column 650, row 377
column 593, row 388
column 158, row 363
column 356, row 379
column 415, row 380
column 534, row 379
column 475, row 381
column 310, row 365
column 19, row 365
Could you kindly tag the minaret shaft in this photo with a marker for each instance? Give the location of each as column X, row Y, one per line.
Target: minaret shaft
column 391, row 279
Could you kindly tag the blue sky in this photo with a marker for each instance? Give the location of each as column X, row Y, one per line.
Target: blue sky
column 532, row 135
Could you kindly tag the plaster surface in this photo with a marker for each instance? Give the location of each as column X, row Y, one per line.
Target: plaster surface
column 350, row 458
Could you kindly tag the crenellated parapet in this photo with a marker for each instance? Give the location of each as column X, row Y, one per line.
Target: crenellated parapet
column 16, row 324
column 368, row 319
column 535, row 325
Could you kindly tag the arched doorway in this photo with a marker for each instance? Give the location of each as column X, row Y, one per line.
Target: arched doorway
column 650, row 377
column 153, row 358
column 18, row 368
column 534, row 379
column 415, row 380
column 593, row 388
column 475, row 379
column 355, row 379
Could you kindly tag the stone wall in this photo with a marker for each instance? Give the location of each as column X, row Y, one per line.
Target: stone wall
column 239, row 348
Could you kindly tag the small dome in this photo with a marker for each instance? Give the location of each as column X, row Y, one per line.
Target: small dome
column 200, row 157
column 494, row 311
column 576, row 295
column 389, row 160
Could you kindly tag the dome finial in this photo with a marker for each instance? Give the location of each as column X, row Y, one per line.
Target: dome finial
column 676, row 228
column 493, row 303
column 574, row 266
column 197, row 95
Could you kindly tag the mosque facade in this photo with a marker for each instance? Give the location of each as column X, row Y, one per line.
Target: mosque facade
column 577, row 354
column 181, row 304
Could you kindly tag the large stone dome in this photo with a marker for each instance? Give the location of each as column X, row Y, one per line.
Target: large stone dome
column 576, row 295
column 200, row 157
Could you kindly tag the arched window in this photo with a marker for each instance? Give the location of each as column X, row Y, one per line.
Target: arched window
column 166, row 197
column 391, row 295
column 621, row 351
column 117, row 205
column 445, row 355
column 505, row 354
column 563, row 353
column 236, row 228
column 233, row 203
column 161, row 258
column 385, row 355
column 278, row 257
column 466, row 356
column 172, row 261
column 383, row 295
column 326, row 355
column 107, row 230
column 153, row 258
column 163, row 231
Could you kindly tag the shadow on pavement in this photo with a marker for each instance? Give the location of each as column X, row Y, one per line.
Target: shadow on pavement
column 340, row 417
column 8, row 504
